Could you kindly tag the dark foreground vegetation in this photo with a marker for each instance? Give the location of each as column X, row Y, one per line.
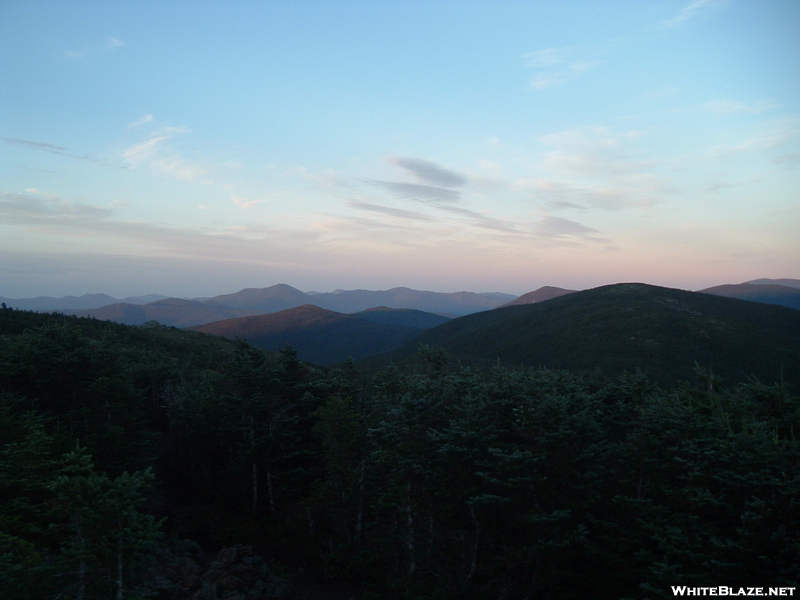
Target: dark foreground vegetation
column 126, row 450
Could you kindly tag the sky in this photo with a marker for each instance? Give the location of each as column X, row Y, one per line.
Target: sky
column 193, row 148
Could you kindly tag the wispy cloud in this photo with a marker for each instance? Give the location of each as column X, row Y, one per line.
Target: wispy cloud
column 482, row 220
column 558, row 228
column 560, row 195
column 435, row 182
column 375, row 234
column 139, row 122
column 44, row 147
column 326, row 178
column 787, row 160
column 75, row 54
column 592, row 150
column 388, row 210
column 112, row 43
column 177, row 167
column 428, row 172
column 38, row 145
column 241, row 202
column 419, row 192
column 592, row 168
column 565, row 204
column 156, row 154
column 555, row 66
column 143, row 151
column 46, row 195
column 38, row 208
column 55, row 216
column 728, row 107
column 698, row 8
column 768, row 141
column 724, row 185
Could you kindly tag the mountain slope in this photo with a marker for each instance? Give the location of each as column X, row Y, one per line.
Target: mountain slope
column 628, row 326
column 768, row 293
column 405, row 317
column 543, row 293
column 270, row 299
column 320, row 336
column 793, row 283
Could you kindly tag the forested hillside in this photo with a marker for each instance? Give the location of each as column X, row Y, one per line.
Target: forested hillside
column 630, row 326
column 325, row 337
column 123, row 445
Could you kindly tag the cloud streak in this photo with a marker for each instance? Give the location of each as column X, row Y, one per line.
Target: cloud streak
column 724, row 185
column 138, row 123
column 155, row 154
column 44, row 147
column 245, row 204
column 42, row 208
column 558, row 228
column 434, row 185
column 594, row 168
column 765, row 142
column 727, row 107
column 113, row 43
column 419, row 192
column 555, row 66
column 428, row 172
column 558, row 194
column 387, row 210
column 692, row 11
column 54, row 216
column 481, row 220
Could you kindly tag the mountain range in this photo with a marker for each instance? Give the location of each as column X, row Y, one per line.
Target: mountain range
column 179, row 312
column 87, row 301
column 611, row 328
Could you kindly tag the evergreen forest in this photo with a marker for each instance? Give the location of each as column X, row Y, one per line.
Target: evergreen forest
column 127, row 448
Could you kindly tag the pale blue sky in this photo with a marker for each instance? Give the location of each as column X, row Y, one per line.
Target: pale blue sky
column 196, row 148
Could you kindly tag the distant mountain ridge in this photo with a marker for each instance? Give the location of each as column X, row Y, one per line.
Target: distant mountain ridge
column 178, row 312
column 174, row 312
column 794, row 283
column 546, row 292
column 136, row 310
column 766, row 293
column 87, row 301
column 326, row 337
column 274, row 298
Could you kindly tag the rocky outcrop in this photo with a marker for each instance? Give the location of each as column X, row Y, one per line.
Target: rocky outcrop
column 182, row 573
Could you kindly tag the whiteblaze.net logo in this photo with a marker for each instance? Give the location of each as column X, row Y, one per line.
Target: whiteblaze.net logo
column 724, row 590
